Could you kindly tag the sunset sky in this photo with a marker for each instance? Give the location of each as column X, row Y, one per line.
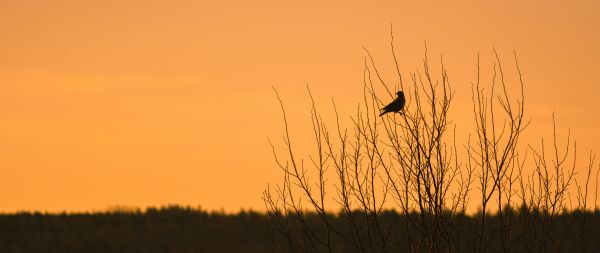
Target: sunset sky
column 145, row 103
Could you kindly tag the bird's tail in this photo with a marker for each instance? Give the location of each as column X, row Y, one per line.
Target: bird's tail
column 384, row 112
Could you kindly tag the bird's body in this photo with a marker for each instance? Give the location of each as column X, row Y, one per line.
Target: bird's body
column 395, row 106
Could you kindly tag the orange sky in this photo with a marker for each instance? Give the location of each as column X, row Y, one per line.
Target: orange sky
column 141, row 103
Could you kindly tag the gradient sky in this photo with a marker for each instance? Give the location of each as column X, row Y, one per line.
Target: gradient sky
column 142, row 103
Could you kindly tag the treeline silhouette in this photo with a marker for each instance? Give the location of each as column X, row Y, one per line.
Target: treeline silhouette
column 185, row 229
column 166, row 229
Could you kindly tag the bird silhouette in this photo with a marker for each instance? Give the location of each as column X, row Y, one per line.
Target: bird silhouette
column 396, row 105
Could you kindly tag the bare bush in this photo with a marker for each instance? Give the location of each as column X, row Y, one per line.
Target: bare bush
column 400, row 180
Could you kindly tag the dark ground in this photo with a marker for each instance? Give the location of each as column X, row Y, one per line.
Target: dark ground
column 181, row 229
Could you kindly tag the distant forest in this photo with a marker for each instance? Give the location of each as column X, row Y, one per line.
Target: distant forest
column 185, row 229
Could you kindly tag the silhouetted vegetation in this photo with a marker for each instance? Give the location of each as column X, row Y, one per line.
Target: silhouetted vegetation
column 180, row 229
column 168, row 229
column 414, row 163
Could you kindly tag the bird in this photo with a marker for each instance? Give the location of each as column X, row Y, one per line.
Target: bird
column 395, row 106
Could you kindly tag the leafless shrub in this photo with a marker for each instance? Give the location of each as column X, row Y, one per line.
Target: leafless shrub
column 410, row 164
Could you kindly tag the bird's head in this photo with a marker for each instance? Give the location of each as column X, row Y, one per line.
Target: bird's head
column 400, row 93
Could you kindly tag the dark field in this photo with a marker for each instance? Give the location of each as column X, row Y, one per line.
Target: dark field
column 179, row 229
